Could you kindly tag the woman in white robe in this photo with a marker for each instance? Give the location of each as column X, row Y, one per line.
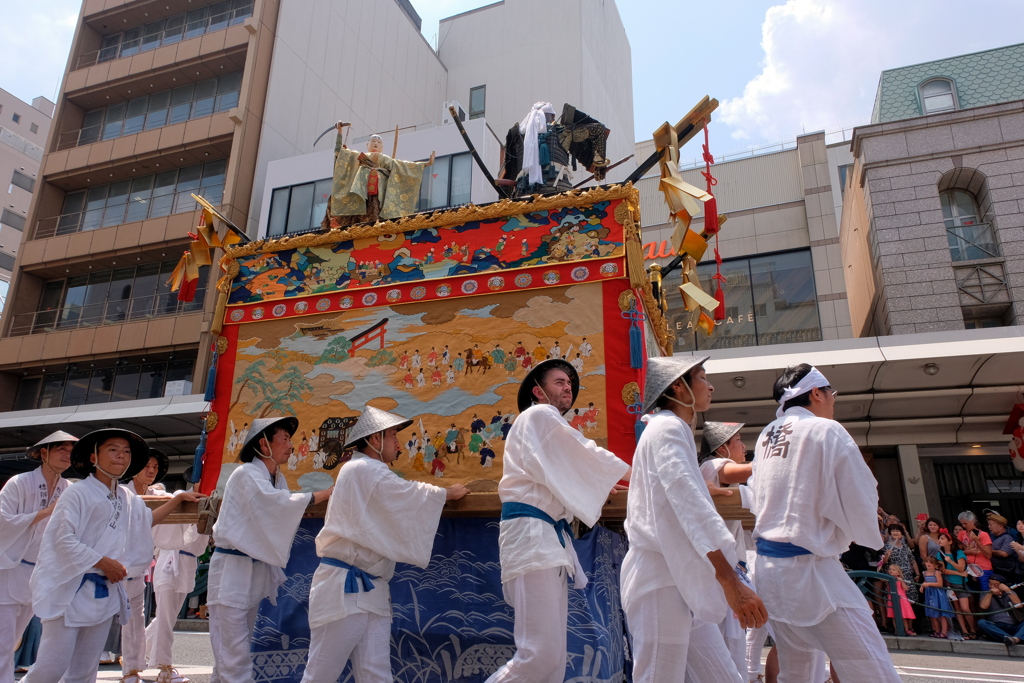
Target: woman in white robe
column 97, row 529
column 678, row 579
column 813, row 495
column 375, row 519
column 253, row 534
column 26, row 503
column 550, row 469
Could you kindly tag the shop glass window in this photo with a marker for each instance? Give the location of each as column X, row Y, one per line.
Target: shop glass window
column 769, row 299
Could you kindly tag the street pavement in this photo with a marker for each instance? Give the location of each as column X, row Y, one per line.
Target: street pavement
column 194, row 658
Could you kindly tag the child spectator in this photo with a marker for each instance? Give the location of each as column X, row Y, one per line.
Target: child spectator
column 906, row 609
column 935, row 599
column 898, row 552
column 955, row 572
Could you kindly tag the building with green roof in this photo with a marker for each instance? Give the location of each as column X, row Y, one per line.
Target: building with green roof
column 961, row 82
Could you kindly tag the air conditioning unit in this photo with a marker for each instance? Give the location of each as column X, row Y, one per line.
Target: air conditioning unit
column 446, row 115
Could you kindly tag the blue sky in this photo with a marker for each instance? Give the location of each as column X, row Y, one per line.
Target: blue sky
column 778, row 68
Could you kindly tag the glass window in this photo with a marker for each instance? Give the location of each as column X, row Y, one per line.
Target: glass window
column 113, row 120
column 94, row 207
column 151, row 380
column 240, row 10
column 204, row 96
column 181, row 104
column 938, row 95
column 130, row 41
column 434, row 188
column 321, row 193
column 100, row 384
column 109, row 48
column 178, row 370
column 163, row 194
column 462, row 179
column 126, row 383
column 220, row 15
column 91, row 126
column 278, row 221
column 76, row 389
column 135, row 117
column 151, row 35
column 968, row 238
column 195, row 23
column 300, row 208
column 174, row 29
column 28, row 393
column 139, row 199
column 74, row 299
column 477, row 100
column 769, row 300
column 53, row 390
column 117, row 199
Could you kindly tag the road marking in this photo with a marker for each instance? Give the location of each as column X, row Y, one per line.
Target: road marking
column 954, row 674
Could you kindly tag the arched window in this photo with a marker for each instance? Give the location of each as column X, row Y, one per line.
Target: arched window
column 969, row 238
column 938, row 95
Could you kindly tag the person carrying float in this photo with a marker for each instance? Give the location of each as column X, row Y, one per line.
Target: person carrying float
column 375, row 519
column 254, row 531
column 813, row 495
column 552, row 473
column 97, row 530
column 26, row 503
column 678, row 578
column 174, row 576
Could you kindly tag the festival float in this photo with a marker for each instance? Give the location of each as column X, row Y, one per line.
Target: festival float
column 438, row 316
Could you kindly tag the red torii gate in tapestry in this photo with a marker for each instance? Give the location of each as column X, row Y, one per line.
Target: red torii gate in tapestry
column 369, row 335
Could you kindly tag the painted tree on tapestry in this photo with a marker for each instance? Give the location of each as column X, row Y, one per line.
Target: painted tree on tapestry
column 337, row 350
column 291, row 388
column 251, row 379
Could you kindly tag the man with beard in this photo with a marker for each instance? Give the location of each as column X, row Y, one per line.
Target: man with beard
column 552, row 473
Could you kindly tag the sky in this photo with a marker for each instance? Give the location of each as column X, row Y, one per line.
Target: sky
column 778, row 69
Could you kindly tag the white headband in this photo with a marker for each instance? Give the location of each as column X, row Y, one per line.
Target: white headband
column 812, row 380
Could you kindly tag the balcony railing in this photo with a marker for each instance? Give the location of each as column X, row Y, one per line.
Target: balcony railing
column 169, row 31
column 75, row 316
column 136, row 209
column 20, row 144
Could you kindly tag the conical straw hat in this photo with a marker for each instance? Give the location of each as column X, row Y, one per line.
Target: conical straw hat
column 375, row 420
column 662, row 372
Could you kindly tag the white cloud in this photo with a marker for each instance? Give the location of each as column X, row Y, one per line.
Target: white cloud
column 823, row 58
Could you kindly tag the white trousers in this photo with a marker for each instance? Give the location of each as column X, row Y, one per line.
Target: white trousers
column 363, row 638
column 133, row 634
column 670, row 646
column 850, row 639
column 160, row 632
column 13, row 622
column 541, row 602
column 231, row 638
column 756, row 638
column 68, row 654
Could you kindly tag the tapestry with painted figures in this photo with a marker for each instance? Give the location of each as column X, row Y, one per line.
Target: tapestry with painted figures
column 528, row 240
column 453, row 366
column 451, row 624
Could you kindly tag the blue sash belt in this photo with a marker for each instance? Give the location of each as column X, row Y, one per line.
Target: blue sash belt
column 517, row 510
column 355, row 575
column 779, row 549
column 231, row 551
column 185, row 552
column 31, row 564
column 100, row 582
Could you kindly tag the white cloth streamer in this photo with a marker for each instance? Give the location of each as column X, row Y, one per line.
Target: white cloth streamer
column 812, row 380
column 530, row 127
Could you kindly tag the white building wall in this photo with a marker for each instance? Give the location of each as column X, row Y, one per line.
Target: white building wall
column 526, row 51
column 361, row 61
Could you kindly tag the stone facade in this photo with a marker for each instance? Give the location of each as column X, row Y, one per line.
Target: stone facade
column 911, row 282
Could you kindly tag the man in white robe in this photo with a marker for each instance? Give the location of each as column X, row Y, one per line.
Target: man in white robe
column 813, row 496
column 174, row 577
column 97, row 529
column 552, row 473
column 253, row 533
column 26, row 503
column 678, row 578
column 375, row 520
